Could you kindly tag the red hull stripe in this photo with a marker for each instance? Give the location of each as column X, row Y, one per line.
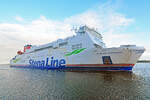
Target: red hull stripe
column 99, row 65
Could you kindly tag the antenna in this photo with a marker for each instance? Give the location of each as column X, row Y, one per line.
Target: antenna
column 74, row 28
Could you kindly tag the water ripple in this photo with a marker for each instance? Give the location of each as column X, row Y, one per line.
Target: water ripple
column 35, row 84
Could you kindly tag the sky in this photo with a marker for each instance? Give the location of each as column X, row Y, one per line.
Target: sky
column 42, row 21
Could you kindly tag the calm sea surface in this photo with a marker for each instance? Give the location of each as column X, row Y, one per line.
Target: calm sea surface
column 36, row 84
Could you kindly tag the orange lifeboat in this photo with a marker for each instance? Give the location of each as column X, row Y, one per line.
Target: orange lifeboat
column 19, row 52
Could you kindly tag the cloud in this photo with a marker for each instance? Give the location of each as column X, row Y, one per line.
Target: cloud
column 20, row 19
column 42, row 30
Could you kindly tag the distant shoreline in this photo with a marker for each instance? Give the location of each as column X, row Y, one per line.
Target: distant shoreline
column 4, row 64
column 143, row 61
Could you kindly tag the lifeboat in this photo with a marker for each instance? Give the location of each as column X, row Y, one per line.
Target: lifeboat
column 19, row 52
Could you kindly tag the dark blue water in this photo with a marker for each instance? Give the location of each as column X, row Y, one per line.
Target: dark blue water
column 36, row 84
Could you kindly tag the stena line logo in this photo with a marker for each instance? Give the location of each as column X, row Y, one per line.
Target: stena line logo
column 50, row 62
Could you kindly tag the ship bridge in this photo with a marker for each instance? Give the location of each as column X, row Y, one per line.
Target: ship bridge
column 94, row 35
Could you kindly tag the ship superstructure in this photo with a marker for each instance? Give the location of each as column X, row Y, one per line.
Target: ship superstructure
column 85, row 50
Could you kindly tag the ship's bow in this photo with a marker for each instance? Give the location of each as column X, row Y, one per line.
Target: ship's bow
column 133, row 53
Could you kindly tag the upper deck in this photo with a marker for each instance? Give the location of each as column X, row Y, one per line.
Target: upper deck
column 85, row 37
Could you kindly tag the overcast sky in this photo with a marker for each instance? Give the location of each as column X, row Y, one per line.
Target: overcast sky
column 42, row 21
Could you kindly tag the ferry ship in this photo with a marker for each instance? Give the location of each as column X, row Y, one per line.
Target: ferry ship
column 83, row 51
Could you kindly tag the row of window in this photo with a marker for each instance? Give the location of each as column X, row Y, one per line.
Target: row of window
column 60, row 45
column 77, row 46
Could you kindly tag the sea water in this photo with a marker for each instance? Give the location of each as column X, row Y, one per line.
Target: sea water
column 37, row 84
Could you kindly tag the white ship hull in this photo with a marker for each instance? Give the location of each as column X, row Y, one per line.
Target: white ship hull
column 82, row 52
